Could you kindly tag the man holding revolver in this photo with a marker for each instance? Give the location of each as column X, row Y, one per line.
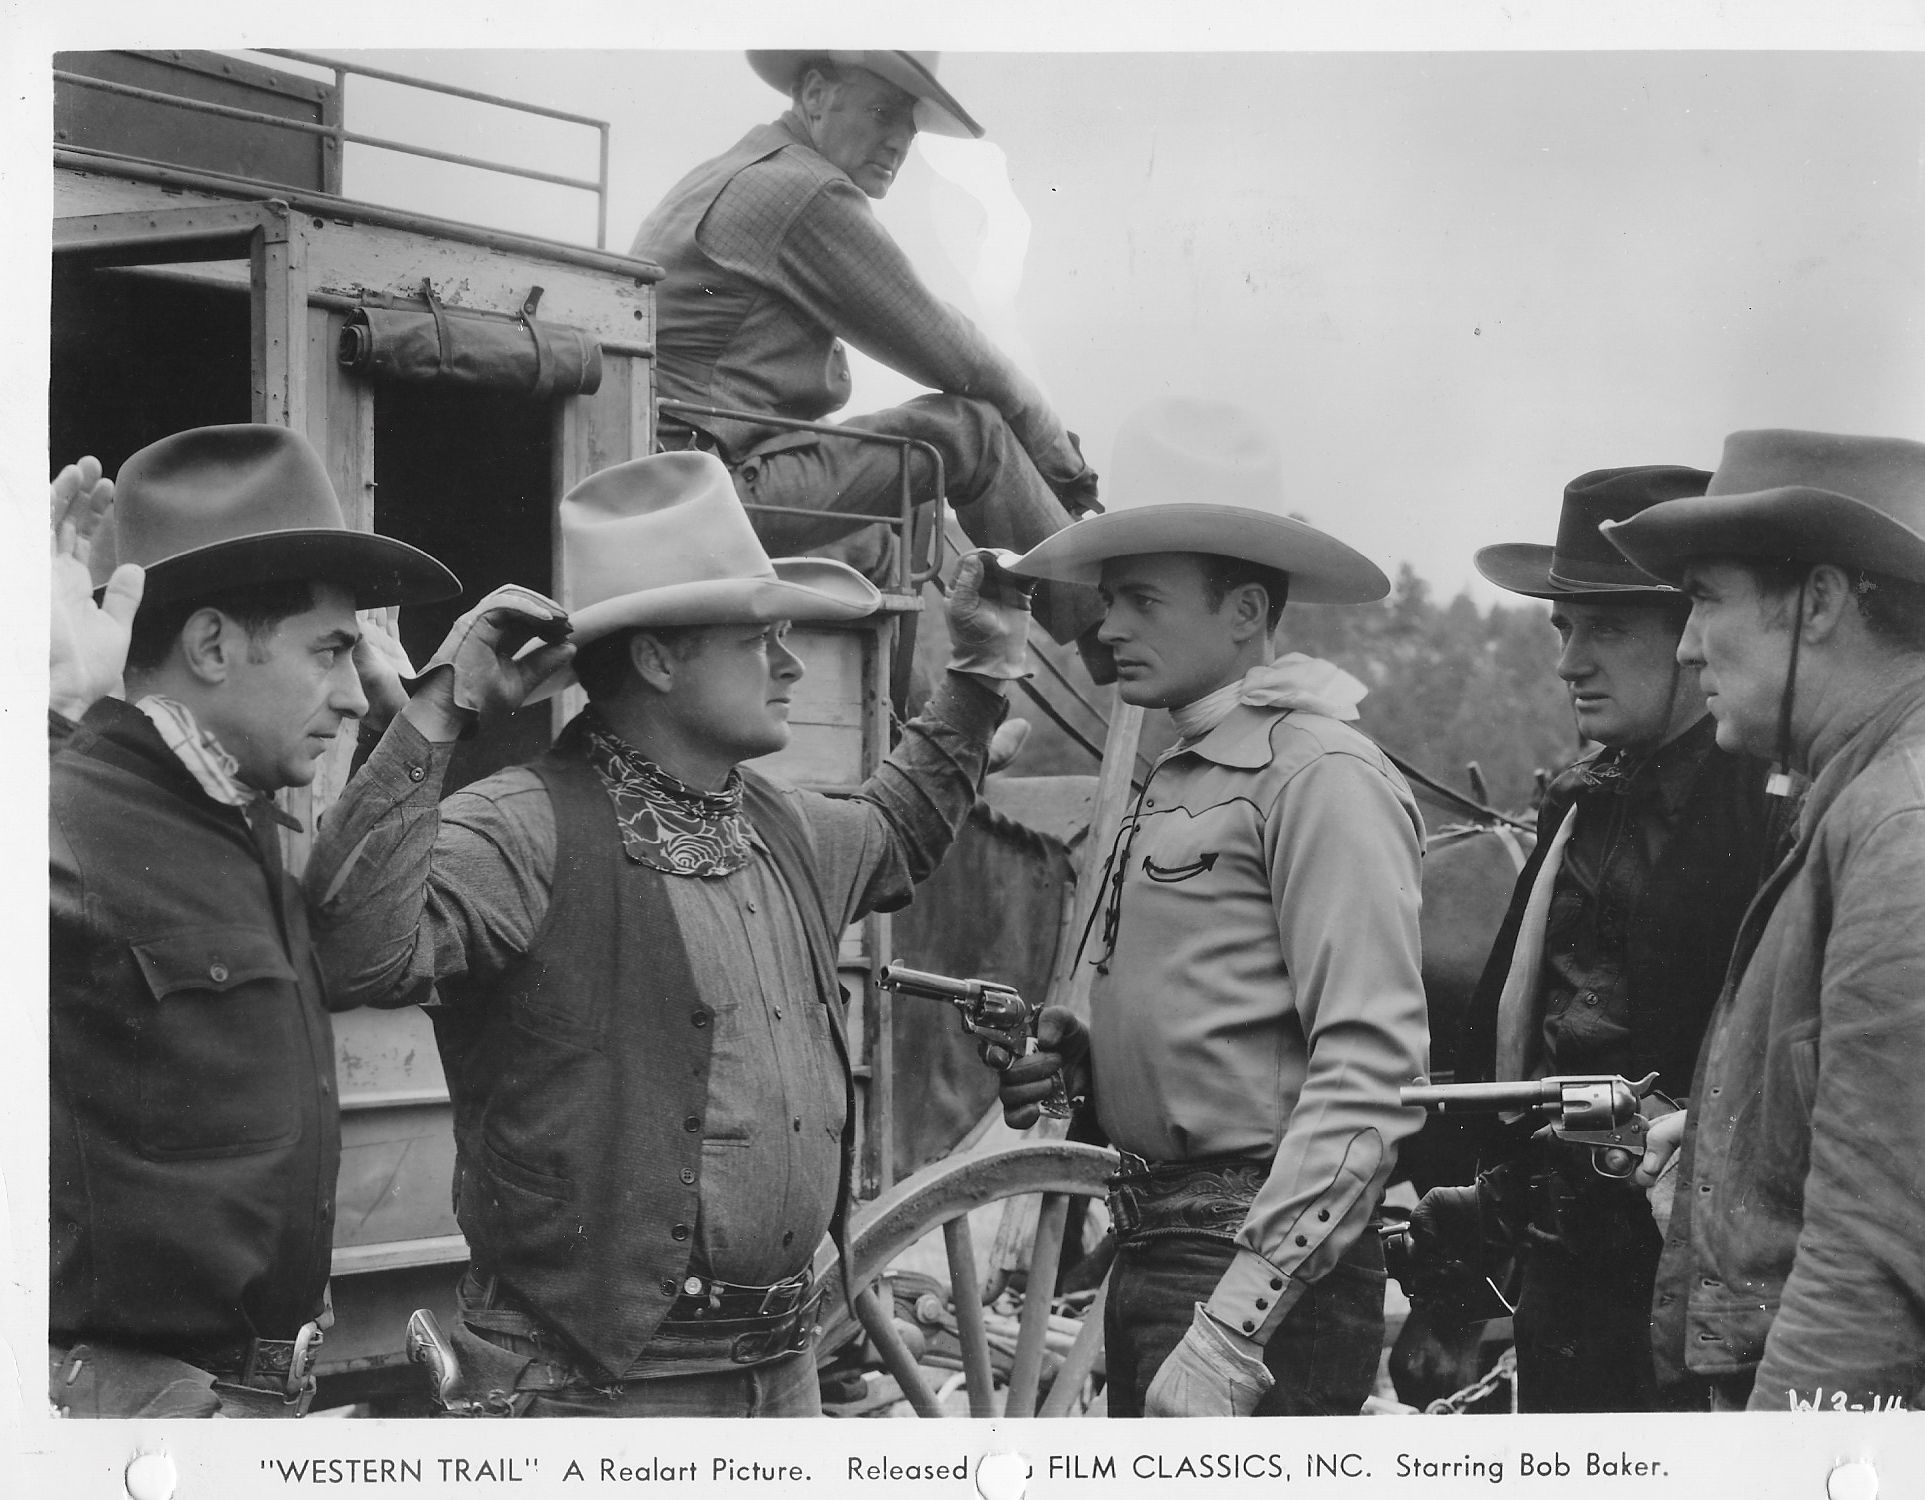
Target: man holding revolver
column 1256, row 1003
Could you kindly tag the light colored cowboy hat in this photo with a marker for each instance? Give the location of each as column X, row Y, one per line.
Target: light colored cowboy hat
column 1858, row 502
column 1204, row 476
column 213, row 507
column 663, row 540
column 1583, row 564
column 913, row 72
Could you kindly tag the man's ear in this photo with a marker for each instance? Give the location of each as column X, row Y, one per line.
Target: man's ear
column 815, row 93
column 652, row 661
column 207, row 645
column 1249, row 611
column 1828, row 598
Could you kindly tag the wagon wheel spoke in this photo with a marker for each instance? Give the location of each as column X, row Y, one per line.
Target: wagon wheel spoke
column 965, row 1287
column 881, row 1327
column 1031, row 1338
column 1081, row 1358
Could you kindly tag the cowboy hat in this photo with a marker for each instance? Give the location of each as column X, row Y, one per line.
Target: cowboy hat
column 1204, row 476
column 1858, row 502
column 662, row 540
column 213, row 507
column 1583, row 564
column 913, row 72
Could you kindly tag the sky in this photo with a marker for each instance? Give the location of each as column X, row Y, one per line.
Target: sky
column 1449, row 282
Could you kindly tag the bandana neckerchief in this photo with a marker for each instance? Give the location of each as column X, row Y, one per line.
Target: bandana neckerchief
column 1292, row 681
column 665, row 824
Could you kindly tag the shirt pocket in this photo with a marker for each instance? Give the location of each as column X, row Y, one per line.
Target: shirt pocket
column 220, row 1062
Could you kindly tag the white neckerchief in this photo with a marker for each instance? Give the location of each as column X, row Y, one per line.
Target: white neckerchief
column 1291, row 681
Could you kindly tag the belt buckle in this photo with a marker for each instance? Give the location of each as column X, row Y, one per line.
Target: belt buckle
column 783, row 1297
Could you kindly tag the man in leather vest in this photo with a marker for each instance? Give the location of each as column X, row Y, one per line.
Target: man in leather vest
column 628, row 949
column 194, row 1140
column 1611, row 954
column 774, row 258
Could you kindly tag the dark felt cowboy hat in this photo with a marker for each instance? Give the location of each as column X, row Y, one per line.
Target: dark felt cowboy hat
column 1858, row 502
column 1204, row 476
column 913, row 72
column 1583, row 563
column 214, row 507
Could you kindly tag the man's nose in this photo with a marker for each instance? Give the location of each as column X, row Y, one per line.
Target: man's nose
column 348, row 698
column 1111, row 630
column 1574, row 660
column 784, row 664
column 1691, row 642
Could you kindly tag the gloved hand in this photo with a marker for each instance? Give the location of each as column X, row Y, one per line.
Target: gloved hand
column 1062, row 1046
column 481, row 671
column 87, row 642
column 1077, row 495
column 989, row 617
column 1212, row 1373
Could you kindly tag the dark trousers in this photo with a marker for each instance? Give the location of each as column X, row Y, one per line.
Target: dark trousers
column 1583, row 1323
column 1324, row 1354
column 999, row 498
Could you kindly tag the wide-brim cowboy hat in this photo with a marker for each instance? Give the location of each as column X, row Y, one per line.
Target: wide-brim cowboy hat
column 1204, row 476
column 663, row 540
column 1858, row 502
column 913, row 72
column 213, row 508
column 1582, row 564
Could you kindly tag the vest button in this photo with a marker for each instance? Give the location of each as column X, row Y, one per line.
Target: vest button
column 679, row 1232
column 668, row 1286
column 700, row 1019
column 218, row 973
column 692, row 1124
column 688, row 1177
column 417, row 773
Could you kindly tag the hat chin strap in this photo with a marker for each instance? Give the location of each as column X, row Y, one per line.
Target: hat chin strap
column 1779, row 783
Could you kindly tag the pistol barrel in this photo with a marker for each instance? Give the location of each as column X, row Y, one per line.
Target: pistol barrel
column 1483, row 1097
column 934, row 986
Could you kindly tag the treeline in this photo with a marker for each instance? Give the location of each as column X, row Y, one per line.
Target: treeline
column 1450, row 684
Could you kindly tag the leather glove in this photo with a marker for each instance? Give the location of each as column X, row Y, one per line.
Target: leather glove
column 87, row 642
column 1077, row 495
column 1212, row 1373
column 1062, row 1047
column 989, row 617
column 482, row 669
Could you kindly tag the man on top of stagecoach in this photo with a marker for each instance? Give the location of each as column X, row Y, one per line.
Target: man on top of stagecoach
column 629, row 948
column 1794, row 1270
column 774, row 257
column 1257, row 1002
column 1612, row 951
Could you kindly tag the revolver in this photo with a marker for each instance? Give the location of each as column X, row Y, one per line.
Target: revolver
column 1600, row 1110
column 986, row 1007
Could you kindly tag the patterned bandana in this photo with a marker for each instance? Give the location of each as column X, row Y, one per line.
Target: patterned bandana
column 666, row 825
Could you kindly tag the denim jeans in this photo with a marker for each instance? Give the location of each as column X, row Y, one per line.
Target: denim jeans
column 1324, row 1354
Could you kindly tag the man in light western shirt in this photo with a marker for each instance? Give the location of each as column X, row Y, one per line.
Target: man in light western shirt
column 1256, row 1003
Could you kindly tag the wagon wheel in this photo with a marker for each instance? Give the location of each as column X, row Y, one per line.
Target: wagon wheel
column 941, row 1196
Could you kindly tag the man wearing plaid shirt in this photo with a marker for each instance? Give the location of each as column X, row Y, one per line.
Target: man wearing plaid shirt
column 774, row 257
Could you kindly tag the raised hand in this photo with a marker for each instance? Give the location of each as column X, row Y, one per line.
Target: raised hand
column 481, row 670
column 989, row 617
column 87, row 653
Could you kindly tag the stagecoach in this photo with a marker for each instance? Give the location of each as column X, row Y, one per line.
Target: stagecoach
column 458, row 380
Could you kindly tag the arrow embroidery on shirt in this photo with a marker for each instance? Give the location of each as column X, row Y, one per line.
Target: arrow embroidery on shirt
column 1174, row 873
